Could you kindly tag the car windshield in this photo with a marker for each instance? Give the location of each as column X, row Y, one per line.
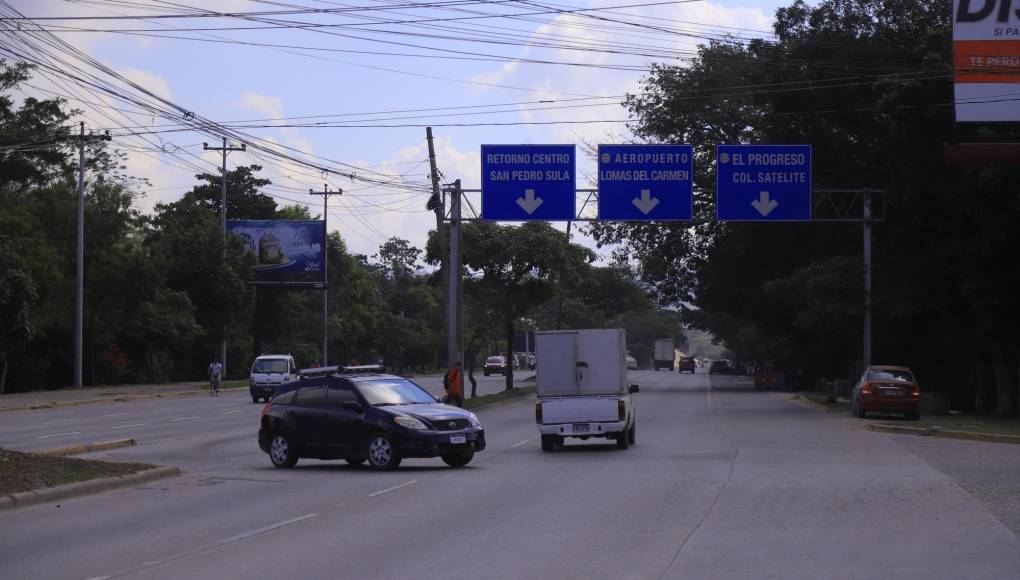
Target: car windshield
column 494, row 359
column 393, row 392
column 270, row 365
column 890, row 375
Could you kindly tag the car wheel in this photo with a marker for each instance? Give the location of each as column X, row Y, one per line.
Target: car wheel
column 355, row 461
column 862, row 413
column 382, row 454
column 632, row 434
column 282, row 451
column 548, row 442
column 486, row 373
column 458, row 459
column 622, row 441
column 254, row 399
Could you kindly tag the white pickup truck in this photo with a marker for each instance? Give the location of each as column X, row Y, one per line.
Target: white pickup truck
column 582, row 387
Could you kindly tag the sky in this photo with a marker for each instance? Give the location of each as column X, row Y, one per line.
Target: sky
column 375, row 72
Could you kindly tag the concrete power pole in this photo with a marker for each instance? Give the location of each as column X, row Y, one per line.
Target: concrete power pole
column 454, row 319
column 223, row 225
column 437, row 205
column 867, row 279
column 79, row 291
column 325, row 193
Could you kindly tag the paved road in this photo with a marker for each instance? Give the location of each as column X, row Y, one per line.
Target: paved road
column 155, row 420
column 724, row 482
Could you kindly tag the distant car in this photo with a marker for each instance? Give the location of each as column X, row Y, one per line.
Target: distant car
column 687, row 364
column 719, row 367
column 631, row 363
column 887, row 388
column 268, row 372
column 375, row 417
column 494, row 365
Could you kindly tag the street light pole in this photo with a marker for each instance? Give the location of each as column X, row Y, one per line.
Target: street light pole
column 223, row 225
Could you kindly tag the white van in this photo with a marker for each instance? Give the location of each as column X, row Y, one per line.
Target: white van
column 268, row 372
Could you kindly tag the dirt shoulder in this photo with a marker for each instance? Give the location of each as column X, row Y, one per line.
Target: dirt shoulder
column 21, row 472
column 104, row 394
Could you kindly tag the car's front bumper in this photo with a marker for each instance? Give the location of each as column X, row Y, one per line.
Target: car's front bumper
column 436, row 443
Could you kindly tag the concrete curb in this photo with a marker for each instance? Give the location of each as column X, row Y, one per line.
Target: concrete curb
column 524, row 393
column 27, row 498
column 946, row 433
column 62, row 404
column 814, row 405
column 87, row 448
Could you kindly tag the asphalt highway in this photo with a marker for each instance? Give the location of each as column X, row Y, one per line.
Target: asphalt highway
column 724, row 482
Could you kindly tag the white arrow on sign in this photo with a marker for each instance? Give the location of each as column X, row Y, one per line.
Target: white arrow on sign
column 529, row 202
column 764, row 204
column 646, row 202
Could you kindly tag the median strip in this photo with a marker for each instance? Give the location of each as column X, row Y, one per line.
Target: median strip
column 87, row 448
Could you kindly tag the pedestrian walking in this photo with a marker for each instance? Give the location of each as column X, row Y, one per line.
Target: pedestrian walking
column 215, row 375
column 453, row 382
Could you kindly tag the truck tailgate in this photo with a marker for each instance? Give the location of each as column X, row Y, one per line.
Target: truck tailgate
column 580, row 409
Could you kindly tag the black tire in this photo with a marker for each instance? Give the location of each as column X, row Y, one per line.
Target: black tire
column 282, row 451
column 861, row 413
column 622, row 441
column 486, row 373
column 632, row 434
column 382, row 454
column 254, row 399
column 458, row 459
column 548, row 442
column 354, row 461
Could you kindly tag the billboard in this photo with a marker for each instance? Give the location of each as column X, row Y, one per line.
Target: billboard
column 986, row 60
column 287, row 252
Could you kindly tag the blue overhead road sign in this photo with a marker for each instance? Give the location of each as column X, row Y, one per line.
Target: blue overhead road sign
column 645, row 182
column 763, row 183
column 528, row 182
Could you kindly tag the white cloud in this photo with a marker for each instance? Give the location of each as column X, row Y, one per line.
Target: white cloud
column 151, row 82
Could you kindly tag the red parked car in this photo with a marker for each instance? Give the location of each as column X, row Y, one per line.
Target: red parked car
column 887, row 388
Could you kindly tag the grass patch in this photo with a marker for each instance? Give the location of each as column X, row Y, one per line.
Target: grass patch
column 28, row 471
column 476, row 402
column 967, row 423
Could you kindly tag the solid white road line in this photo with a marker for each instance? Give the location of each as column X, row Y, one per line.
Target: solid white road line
column 185, row 418
column 58, row 435
column 515, row 446
column 394, row 488
column 132, row 425
column 232, row 412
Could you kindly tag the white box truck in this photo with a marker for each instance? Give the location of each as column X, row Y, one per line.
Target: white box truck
column 582, row 387
column 664, row 354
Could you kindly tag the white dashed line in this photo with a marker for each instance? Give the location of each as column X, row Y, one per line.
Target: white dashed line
column 515, row 446
column 186, row 418
column 58, row 435
column 266, row 529
column 232, row 412
column 58, row 421
column 112, row 415
column 394, row 488
column 132, row 425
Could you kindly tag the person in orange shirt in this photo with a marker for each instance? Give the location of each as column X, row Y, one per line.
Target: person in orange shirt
column 453, row 382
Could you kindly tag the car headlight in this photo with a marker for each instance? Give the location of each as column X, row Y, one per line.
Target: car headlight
column 410, row 423
column 474, row 421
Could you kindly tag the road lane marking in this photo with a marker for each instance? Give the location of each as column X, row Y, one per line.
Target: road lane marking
column 58, row 435
column 232, row 412
column 268, row 528
column 58, row 421
column 132, row 425
column 394, row 488
column 525, row 442
column 185, row 418
column 111, row 415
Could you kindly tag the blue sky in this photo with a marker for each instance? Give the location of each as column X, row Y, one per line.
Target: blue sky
column 228, row 83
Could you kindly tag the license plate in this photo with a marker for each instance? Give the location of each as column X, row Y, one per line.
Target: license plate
column 582, row 428
column 891, row 392
column 458, row 439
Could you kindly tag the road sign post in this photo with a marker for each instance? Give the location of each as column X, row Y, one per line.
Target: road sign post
column 528, row 182
column 763, row 183
column 646, row 182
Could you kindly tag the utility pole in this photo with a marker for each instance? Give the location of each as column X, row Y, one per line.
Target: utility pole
column 223, row 225
column 454, row 323
column 866, row 352
column 437, row 205
column 79, row 293
column 325, row 193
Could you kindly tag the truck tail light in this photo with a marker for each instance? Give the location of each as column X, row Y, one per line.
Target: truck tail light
column 621, row 408
column 538, row 412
